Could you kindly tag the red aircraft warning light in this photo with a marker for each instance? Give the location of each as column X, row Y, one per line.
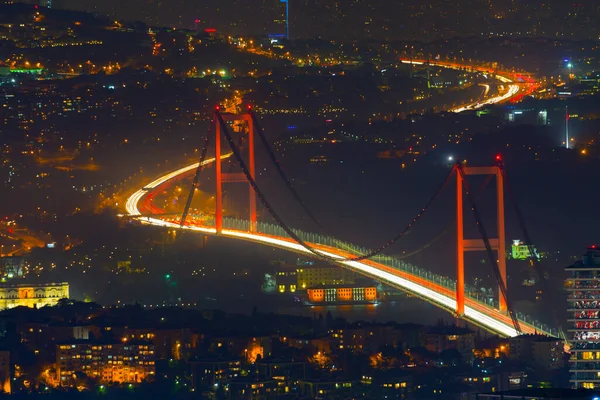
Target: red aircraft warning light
column 498, row 157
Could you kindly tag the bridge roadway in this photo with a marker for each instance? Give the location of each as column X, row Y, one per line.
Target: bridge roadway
column 476, row 312
column 518, row 85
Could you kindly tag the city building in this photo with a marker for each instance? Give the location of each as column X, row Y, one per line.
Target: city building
column 11, row 267
column 512, row 380
column 311, row 343
column 365, row 338
column 109, row 363
column 311, row 276
column 323, row 388
column 342, row 295
column 521, row 251
column 446, row 337
column 34, row 295
column 214, row 371
column 256, row 388
column 528, row 116
column 4, row 372
column 539, row 394
column 286, row 279
column 168, row 343
column 281, row 368
column 539, row 351
column 389, row 384
column 591, row 84
column 583, row 288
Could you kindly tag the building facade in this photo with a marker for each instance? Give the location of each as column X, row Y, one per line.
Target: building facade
column 442, row 338
column 108, row 363
column 337, row 295
column 311, row 276
column 583, row 295
column 539, row 351
column 33, row 296
column 4, row 372
column 521, row 251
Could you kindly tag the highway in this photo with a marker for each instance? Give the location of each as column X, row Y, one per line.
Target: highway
column 514, row 91
column 475, row 312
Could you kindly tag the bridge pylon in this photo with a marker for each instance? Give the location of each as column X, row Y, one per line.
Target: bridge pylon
column 463, row 245
column 246, row 124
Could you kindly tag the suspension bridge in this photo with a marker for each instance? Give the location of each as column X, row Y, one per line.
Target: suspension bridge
column 452, row 295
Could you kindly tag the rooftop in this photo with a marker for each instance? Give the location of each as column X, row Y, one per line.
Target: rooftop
column 30, row 285
column 555, row 393
column 537, row 337
column 448, row 330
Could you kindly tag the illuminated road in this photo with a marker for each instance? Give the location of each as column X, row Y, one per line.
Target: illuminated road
column 514, row 92
column 475, row 312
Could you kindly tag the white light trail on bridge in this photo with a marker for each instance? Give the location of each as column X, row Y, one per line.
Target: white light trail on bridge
column 432, row 295
column 132, row 202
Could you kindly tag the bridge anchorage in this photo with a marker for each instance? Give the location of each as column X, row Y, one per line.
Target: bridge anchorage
column 442, row 292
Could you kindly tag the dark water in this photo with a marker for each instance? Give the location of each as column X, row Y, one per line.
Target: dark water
column 401, row 311
column 408, row 310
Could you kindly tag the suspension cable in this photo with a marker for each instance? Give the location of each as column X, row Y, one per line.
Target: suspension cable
column 486, row 181
column 488, row 249
column 288, row 182
column 533, row 258
column 291, row 233
column 282, row 174
column 197, row 176
column 259, row 193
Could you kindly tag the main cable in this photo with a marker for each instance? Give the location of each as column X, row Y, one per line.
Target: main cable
column 197, row 176
column 282, row 174
column 533, row 257
column 288, row 182
column 292, row 234
column 445, row 230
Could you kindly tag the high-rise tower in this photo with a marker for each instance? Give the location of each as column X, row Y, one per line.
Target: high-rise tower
column 287, row 18
column 583, row 286
column 567, row 127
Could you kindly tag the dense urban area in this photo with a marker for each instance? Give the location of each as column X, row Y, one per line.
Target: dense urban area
column 274, row 199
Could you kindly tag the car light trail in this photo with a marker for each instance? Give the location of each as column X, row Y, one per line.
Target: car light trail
column 511, row 93
column 132, row 202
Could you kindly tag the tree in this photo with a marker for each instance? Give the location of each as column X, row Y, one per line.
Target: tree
column 321, row 359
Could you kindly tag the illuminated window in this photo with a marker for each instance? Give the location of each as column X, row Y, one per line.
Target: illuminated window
column 587, row 385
